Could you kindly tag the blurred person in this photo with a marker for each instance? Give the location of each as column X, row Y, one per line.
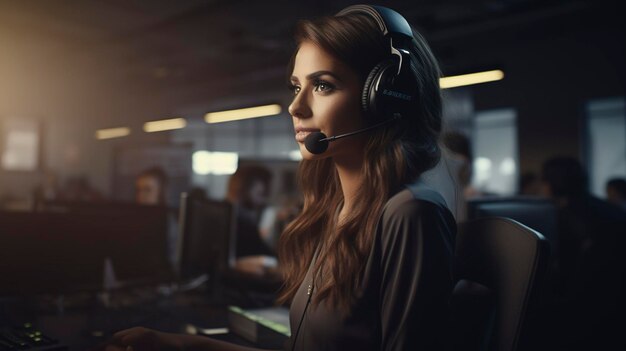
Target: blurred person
column 460, row 147
column 198, row 193
column 591, row 268
column 529, row 184
column 459, row 161
column 79, row 189
column 48, row 190
column 248, row 190
column 275, row 218
column 368, row 261
column 616, row 192
column 151, row 190
column 151, row 187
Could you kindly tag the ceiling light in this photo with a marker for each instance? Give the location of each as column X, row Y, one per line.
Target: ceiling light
column 111, row 133
column 164, row 124
column 242, row 113
column 470, row 79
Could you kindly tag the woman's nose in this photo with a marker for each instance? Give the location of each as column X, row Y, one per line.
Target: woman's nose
column 299, row 107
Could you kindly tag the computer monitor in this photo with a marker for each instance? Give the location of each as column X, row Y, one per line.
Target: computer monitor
column 66, row 252
column 44, row 253
column 206, row 237
column 536, row 213
column 137, row 242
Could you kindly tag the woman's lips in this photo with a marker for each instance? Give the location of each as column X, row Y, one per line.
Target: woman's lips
column 302, row 133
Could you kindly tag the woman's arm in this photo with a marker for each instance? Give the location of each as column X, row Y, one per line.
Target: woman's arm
column 415, row 277
column 140, row 339
column 401, row 253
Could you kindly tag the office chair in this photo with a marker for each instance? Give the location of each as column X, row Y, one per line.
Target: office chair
column 498, row 270
column 538, row 213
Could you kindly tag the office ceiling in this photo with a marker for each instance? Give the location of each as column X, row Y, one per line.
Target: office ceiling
column 189, row 52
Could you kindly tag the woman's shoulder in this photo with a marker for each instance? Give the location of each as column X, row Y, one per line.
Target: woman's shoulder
column 416, row 214
column 413, row 202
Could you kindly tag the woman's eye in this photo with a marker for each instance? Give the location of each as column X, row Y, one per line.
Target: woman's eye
column 323, row 86
column 294, row 89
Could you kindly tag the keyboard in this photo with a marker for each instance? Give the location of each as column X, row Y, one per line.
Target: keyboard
column 26, row 337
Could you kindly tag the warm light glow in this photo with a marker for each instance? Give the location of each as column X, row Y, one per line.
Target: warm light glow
column 111, row 133
column 469, row 79
column 243, row 113
column 165, row 124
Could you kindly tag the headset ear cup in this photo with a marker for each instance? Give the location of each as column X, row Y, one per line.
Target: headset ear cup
column 368, row 96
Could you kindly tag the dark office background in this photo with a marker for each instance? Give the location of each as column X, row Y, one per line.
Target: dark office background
column 72, row 68
column 69, row 68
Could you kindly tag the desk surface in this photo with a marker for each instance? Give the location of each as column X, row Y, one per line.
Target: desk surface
column 82, row 324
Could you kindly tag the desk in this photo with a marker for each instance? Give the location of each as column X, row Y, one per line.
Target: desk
column 86, row 321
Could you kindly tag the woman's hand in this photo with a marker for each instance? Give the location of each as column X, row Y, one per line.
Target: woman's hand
column 257, row 265
column 144, row 339
column 140, row 339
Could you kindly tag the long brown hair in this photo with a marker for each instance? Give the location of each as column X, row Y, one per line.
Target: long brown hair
column 394, row 156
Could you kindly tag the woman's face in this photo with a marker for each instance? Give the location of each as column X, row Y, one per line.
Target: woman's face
column 258, row 194
column 327, row 96
column 147, row 191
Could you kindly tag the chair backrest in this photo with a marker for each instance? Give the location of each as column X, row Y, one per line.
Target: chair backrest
column 538, row 213
column 499, row 267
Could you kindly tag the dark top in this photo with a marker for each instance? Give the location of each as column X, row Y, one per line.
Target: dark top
column 403, row 299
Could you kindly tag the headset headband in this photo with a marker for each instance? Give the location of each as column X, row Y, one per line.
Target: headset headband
column 390, row 22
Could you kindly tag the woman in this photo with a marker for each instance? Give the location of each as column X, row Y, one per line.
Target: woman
column 367, row 262
column 248, row 191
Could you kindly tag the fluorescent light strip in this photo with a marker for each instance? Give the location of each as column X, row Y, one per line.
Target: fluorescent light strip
column 470, row 79
column 243, row 113
column 165, row 124
column 111, row 133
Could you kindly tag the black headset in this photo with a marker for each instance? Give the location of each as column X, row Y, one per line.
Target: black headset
column 391, row 87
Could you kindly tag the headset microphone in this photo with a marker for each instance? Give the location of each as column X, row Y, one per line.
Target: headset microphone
column 317, row 142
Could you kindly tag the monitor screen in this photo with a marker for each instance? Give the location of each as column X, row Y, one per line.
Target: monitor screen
column 206, row 236
column 63, row 252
